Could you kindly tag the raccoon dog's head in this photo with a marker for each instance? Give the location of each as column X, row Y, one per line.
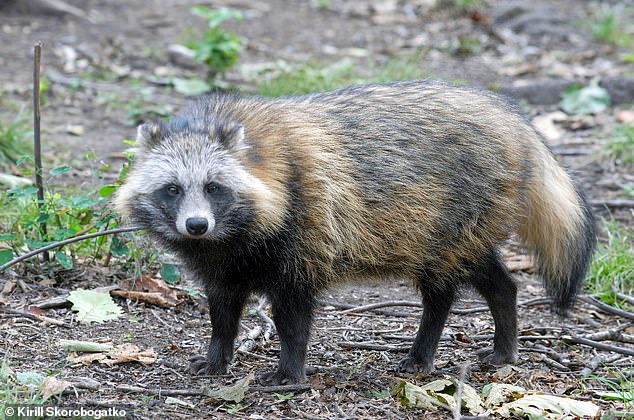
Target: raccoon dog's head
column 188, row 183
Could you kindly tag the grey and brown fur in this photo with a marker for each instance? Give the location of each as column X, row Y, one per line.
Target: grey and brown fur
column 421, row 180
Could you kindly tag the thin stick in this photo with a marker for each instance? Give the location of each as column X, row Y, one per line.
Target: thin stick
column 37, row 144
column 607, row 308
column 597, row 345
column 65, row 242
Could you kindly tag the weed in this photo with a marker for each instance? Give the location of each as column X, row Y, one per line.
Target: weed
column 218, row 49
column 612, row 269
column 619, row 387
column 621, row 145
column 308, row 78
column 14, row 136
column 609, row 27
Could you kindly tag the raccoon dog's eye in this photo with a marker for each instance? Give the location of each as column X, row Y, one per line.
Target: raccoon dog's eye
column 210, row 188
column 173, row 190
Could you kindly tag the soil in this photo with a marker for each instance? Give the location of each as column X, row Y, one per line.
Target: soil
column 102, row 66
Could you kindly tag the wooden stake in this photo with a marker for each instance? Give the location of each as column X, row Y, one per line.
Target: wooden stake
column 37, row 145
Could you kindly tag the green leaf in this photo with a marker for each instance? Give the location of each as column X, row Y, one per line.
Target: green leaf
column 191, row 87
column 170, row 273
column 583, row 100
column 6, row 255
column 64, row 260
column 22, row 192
column 233, row 392
column 107, row 190
column 60, row 170
column 119, row 248
column 283, row 397
column 94, row 306
column 616, row 395
column 29, row 378
column 8, row 237
column 23, row 159
column 62, row 234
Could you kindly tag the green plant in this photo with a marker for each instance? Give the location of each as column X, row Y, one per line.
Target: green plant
column 218, row 49
column 619, row 387
column 68, row 213
column 609, row 27
column 621, row 145
column 612, row 269
column 311, row 78
column 467, row 4
column 14, row 142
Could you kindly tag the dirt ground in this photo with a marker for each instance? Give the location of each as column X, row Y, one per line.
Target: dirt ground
column 102, row 66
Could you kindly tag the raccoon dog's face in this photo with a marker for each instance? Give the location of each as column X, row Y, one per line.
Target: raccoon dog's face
column 187, row 182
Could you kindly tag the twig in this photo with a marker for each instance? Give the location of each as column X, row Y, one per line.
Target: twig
column 65, row 242
column 34, row 317
column 601, row 346
column 607, row 308
column 270, row 325
column 626, row 298
column 613, row 203
column 382, row 305
column 196, row 393
column 37, row 144
column 613, row 334
column 281, row 388
column 167, row 392
column 461, row 380
column 377, row 347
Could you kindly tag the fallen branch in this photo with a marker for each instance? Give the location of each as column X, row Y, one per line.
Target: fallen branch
column 199, row 393
column 40, row 318
column 377, row 347
column 601, row 346
column 382, row 305
column 607, row 308
column 65, row 242
column 613, row 203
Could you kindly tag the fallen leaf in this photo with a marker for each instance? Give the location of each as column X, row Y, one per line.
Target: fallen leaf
column 233, row 392
column 585, row 100
column 439, row 393
column 536, row 406
column 53, row 386
column 150, row 290
column 516, row 263
column 179, row 402
column 94, row 306
column 119, row 354
column 84, row 346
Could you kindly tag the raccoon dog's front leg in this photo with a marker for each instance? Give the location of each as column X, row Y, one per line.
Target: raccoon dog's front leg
column 225, row 308
column 292, row 313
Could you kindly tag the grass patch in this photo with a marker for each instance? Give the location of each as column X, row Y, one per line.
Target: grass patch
column 610, row 25
column 621, row 145
column 612, row 269
column 618, row 387
column 310, row 78
column 14, row 140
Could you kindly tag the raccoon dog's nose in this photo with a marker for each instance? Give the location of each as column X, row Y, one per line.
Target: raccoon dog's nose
column 196, row 225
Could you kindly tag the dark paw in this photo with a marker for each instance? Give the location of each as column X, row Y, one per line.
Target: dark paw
column 496, row 358
column 280, row 378
column 199, row 365
column 412, row 365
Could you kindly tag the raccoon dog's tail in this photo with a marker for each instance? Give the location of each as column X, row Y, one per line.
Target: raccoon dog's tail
column 559, row 229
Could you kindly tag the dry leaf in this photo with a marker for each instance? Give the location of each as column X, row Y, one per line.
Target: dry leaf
column 150, row 290
column 120, row 354
column 53, row 386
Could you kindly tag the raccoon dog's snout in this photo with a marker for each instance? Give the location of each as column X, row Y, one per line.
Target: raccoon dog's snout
column 196, row 225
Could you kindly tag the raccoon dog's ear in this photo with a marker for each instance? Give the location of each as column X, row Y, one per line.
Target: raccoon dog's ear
column 230, row 134
column 149, row 134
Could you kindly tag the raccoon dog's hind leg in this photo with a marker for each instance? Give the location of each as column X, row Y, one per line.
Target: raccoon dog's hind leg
column 495, row 284
column 437, row 302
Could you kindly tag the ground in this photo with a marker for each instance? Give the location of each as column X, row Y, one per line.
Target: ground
column 104, row 68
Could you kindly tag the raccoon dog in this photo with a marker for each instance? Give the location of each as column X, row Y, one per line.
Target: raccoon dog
column 411, row 179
